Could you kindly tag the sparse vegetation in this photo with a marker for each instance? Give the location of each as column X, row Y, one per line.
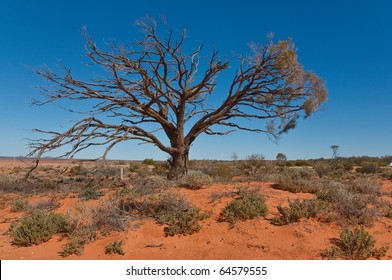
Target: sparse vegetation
column 39, row 228
column 19, row 205
column 78, row 239
column 90, row 191
column 249, row 205
column 297, row 180
column 115, row 247
column 354, row 244
column 298, row 209
column 195, row 180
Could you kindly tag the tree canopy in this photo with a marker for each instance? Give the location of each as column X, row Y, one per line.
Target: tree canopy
column 153, row 85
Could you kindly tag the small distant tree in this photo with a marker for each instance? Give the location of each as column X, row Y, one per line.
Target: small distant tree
column 153, row 86
column 335, row 151
column 280, row 157
column 335, row 154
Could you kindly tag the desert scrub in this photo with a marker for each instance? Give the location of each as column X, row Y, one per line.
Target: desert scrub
column 77, row 240
column 39, row 228
column 19, row 205
column 115, row 247
column 366, row 186
column 354, row 245
column 90, row 192
column 195, row 180
column 222, row 172
column 148, row 185
column 388, row 212
column 298, row 209
column 180, row 216
column 250, row 204
column 351, row 207
column 298, row 180
column 181, row 221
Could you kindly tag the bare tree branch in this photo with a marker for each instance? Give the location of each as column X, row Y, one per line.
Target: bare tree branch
column 153, row 85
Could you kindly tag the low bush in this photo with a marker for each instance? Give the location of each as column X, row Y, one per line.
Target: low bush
column 195, row 180
column 78, row 239
column 148, row 185
column 249, row 205
column 90, row 191
column 115, row 247
column 366, row 186
column 369, row 168
column 323, row 170
column 354, row 245
column 388, row 212
column 19, row 205
column 254, row 167
column 181, row 220
column 39, row 228
column 222, row 172
column 298, row 209
column 298, row 180
column 179, row 216
column 350, row 206
column 76, row 170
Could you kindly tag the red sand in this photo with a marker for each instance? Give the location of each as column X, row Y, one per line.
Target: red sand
column 253, row 239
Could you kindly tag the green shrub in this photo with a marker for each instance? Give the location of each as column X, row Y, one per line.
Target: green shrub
column 180, row 220
column 249, row 205
column 39, row 228
column 355, row 245
column 195, row 180
column 115, row 247
column 298, row 209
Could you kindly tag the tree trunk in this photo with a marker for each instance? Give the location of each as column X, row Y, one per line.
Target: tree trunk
column 179, row 165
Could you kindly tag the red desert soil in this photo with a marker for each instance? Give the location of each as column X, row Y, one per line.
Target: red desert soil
column 253, row 239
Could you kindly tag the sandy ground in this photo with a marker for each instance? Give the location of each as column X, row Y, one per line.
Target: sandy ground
column 252, row 239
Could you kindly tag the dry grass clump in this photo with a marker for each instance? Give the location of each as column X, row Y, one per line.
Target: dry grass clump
column 298, row 209
column 39, row 228
column 195, row 180
column 90, row 191
column 354, row 244
column 250, row 204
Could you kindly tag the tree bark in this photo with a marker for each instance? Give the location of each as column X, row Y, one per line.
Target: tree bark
column 179, row 165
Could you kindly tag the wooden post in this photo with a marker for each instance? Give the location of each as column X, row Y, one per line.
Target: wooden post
column 122, row 173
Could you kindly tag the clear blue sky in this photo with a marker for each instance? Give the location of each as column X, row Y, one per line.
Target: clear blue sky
column 347, row 43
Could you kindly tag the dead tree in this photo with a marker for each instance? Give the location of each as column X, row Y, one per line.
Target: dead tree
column 153, row 85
